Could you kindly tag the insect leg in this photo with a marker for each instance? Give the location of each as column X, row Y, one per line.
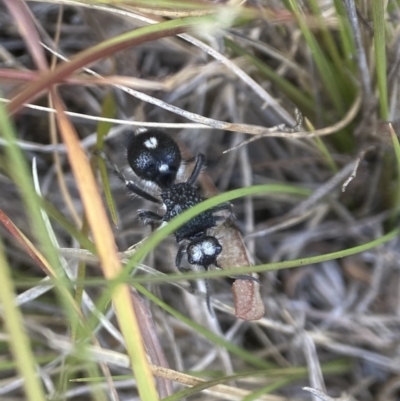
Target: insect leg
column 138, row 191
column 129, row 184
column 179, row 257
column 147, row 217
column 200, row 160
column 222, row 206
column 178, row 264
column 208, row 297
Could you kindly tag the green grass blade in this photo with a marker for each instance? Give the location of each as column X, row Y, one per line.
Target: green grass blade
column 396, row 147
column 378, row 16
column 346, row 35
column 246, row 270
column 22, row 179
column 328, row 40
column 18, row 338
column 328, row 74
column 108, row 110
column 289, row 376
column 269, row 266
column 57, row 216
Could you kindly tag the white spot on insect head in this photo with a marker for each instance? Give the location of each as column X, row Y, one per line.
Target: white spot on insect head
column 151, row 143
column 208, row 248
column 196, row 253
column 163, row 168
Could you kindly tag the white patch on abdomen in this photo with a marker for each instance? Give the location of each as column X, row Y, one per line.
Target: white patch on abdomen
column 151, row 143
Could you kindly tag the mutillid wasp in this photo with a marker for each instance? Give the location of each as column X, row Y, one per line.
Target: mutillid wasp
column 155, row 159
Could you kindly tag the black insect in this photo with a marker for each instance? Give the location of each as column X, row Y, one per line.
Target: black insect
column 155, row 158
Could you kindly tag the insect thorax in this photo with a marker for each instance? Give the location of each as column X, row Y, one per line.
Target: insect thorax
column 181, row 197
